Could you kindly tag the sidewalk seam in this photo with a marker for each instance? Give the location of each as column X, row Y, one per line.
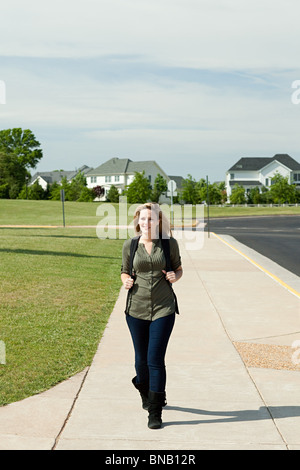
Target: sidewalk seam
column 70, row 411
column 271, row 416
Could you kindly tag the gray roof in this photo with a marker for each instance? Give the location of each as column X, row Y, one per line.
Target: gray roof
column 256, row 163
column 52, row 176
column 113, row 166
column 138, row 166
column 56, row 176
column 117, row 165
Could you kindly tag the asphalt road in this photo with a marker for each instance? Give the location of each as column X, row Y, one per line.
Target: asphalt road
column 277, row 238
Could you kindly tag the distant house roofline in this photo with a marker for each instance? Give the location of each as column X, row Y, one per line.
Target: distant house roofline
column 57, row 175
column 257, row 163
column 118, row 166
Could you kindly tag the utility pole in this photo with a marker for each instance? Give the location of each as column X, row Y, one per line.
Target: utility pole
column 207, row 202
column 62, row 198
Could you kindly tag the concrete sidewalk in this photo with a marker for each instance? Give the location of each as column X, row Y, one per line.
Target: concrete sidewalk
column 218, row 398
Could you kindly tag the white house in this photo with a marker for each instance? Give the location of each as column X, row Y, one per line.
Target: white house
column 258, row 171
column 120, row 173
column 50, row 177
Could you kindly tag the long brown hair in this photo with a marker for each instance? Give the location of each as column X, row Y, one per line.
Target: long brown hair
column 164, row 224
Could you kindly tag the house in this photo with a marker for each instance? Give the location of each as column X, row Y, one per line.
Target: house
column 120, row 173
column 50, row 177
column 258, row 171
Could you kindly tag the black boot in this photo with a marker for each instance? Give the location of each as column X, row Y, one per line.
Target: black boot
column 144, row 390
column 156, row 402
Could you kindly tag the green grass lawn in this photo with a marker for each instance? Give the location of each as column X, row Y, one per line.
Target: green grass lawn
column 248, row 211
column 22, row 212
column 57, row 290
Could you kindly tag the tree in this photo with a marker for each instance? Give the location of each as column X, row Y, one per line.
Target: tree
column 74, row 191
column 98, row 191
column 238, row 195
column 113, row 194
column 254, row 196
column 19, row 151
column 189, row 191
column 13, row 175
column 23, row 145
column 86, row 195
column 76, row 187
column 216, row 193
column 34, row 192
column 160, row 186
column 56, row 188
column 139, row 191
column 281, row 191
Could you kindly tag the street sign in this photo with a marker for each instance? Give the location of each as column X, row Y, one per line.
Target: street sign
column 172, row 185
column 172, row 188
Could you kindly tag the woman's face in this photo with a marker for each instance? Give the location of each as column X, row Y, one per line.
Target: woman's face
column 148, row 222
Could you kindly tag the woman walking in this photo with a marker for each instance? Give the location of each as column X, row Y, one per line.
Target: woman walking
column 151, row 303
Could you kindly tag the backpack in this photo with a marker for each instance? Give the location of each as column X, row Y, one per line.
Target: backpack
column 166, row 249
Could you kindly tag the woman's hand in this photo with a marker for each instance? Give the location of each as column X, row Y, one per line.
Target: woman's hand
column 128, row 283
column 170, row 276
column 173, row 276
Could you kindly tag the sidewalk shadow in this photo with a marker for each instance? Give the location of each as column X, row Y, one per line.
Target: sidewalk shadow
column 272, row 412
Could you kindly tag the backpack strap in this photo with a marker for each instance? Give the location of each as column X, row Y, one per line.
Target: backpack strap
column 133, row 247
column 166, row 249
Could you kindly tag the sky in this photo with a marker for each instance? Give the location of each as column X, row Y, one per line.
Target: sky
column 192, row 84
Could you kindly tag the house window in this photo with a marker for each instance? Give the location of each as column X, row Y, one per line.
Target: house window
column 232, row 176
column 117, row 178
column 149, row 178
column 93, row 179
column 296, row 176
column 107, row 179
column 267, row 182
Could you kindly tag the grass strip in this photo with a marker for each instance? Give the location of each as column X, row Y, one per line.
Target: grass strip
column 57, row 290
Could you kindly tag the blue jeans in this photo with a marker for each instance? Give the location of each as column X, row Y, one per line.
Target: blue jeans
column 150, row 340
